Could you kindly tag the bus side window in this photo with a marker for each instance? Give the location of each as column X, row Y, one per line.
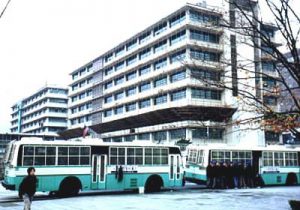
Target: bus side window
column 28, row 155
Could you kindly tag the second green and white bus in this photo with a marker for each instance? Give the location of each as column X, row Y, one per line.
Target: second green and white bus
column 275, row 164
column 68, row 167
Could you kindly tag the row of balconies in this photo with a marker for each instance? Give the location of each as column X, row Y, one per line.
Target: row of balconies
column 44, row 106
column 47, row 95
column 166, row 52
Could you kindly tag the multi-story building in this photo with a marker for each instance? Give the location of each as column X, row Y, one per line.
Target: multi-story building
column 148, row 87
column 80, row 97
column 44, row 112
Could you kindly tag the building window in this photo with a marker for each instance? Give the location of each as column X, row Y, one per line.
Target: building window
column 131, row 76
column 57, row 119
column 130, row 107
column 145, row 53
column 89, row 80
column 178, row 37
column 145, row 70
column 88, row 105
column 269, row 82
column 82, row 95
column 74, row 110
column 131, row 44
column 127, row 139
column 160, row 82
column 146, row 36
column 204, row 36
column 145, row 86
column 178, row 57
column 108, row 71
column 108, row 57
column 143, row 136
column 89, row 92
column 204, row 56
column 131, row 91
column 120, row 51
column 159, row 136
column 144, row 103
column 119, row 66
column 119, row 95
column 119, row 80
column 131, row 60
column 177, row 19
column 205, row 74
column 108, row 85
column 204, row 18
column 160, row 63
column 75, row 76
column 270, row 100
column 117, row 139
column 178, row 134
column 75, row 87
column 160, row 46
column 177, row 95
column 266, row 50
column 81, row 84
column 108, row 113
column 177, row 76
column 268, row 32
column 82, row 72
column 119, row 110
column 268, row 66
column 81, row 108
column 74, row 98
column 108, row 99
column 160, row 99
column 271, row 136
column 160, row 28
column 206, row 94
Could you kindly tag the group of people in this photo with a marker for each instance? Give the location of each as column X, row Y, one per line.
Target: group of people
column 229, row 175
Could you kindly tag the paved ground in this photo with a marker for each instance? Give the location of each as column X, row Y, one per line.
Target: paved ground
column 192, row 199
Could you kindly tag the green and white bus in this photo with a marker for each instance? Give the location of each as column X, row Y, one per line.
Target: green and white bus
column 275, row 164
column 68, row 167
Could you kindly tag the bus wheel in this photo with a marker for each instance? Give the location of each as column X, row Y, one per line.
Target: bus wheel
column 153, row 184
column 70, row 186
column 291, row 179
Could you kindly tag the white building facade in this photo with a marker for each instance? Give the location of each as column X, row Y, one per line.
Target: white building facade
column 148, row 87
column 44, row 112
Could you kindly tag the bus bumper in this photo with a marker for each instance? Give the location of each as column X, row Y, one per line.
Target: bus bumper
column 8, row 186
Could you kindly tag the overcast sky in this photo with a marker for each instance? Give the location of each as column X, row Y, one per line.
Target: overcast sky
column 42, row 41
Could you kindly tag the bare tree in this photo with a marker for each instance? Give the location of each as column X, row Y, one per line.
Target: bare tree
column 4, row 9
column 247, row 22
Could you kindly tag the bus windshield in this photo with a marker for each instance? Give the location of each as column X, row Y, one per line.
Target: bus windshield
column 9, row 153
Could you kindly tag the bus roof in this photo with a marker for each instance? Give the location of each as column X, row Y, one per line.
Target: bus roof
column 246, row 148
column 88, row 142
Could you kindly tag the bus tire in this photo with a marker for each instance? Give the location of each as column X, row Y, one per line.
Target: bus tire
column 291, row 179
column 154, row 183
column 70, row 186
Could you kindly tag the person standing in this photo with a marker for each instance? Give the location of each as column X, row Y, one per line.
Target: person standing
column 27, row 188
column 209, row 169
column 236, row 175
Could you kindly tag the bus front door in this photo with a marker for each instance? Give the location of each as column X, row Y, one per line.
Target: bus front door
column 99, row 163
column 174, row 173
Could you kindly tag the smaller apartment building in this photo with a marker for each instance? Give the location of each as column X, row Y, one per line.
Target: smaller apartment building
column 44, row 112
